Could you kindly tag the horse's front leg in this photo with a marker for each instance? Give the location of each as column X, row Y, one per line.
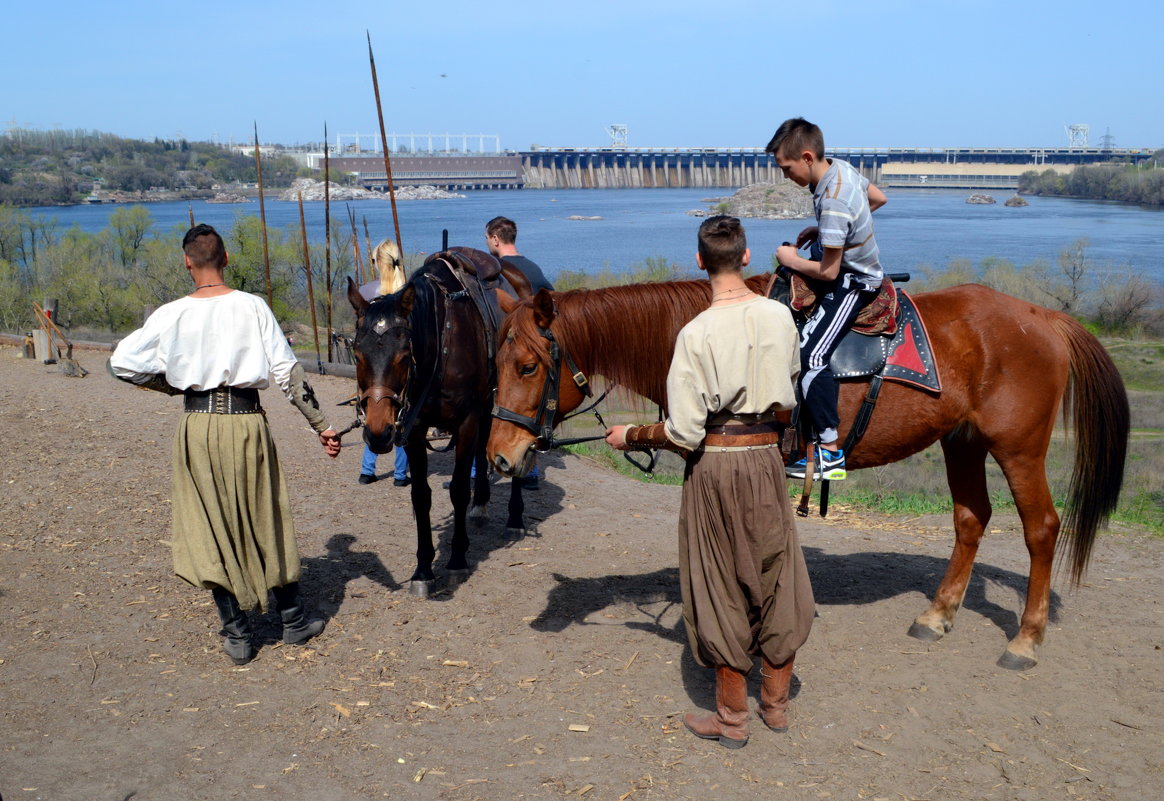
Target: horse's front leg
column 966, row 474
column 515, row 521
column 423, row 579
column 459, row 494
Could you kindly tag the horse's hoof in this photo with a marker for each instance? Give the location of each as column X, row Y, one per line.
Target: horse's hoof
column 514, row 533
column 1012, row 661
column 479, row 515
column 922, row 632
column 420, row 589
column 458, row 576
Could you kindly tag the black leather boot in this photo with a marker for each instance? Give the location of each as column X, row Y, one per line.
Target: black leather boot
column 235, row 627
column 297, row 628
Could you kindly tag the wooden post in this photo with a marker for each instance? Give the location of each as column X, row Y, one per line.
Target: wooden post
column 327, row 240
column 310, row 285
column 263, row 220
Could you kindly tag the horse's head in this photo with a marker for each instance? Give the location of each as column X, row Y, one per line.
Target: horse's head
column 532, row 395
column 384, row 361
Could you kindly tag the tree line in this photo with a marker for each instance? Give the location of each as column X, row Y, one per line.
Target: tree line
column 105, row 282
column 46, row 168
column 1141, row 183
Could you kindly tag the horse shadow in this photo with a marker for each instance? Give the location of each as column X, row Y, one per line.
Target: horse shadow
column 324, row 583
column 837, row 579
column 492, row 535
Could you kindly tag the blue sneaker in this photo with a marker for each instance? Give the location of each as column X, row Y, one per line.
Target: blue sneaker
column 830, row 465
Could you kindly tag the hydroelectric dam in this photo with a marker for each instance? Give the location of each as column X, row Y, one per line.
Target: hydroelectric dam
column 646, row 167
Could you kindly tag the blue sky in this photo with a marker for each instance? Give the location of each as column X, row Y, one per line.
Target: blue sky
column 679, row 73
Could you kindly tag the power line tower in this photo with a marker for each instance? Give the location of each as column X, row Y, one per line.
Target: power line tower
column 618, row 135
column 1107, row 141
column 1077, row 135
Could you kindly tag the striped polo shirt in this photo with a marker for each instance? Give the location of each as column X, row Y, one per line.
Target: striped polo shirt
column 841, row 202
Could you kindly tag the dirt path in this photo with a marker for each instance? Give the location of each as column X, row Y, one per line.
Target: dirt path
column 558, row 671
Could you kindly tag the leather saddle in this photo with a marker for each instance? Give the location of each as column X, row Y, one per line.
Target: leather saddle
column 900, row 352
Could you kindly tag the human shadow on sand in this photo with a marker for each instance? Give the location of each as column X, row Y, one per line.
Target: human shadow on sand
column 324, row 583
column 837, row 580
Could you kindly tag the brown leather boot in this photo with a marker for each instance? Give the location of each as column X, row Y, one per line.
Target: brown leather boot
column 729, row 722
column 774, row 684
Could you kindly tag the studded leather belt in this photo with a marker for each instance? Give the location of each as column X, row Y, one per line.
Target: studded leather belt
column 223, row 400
column 740, row 436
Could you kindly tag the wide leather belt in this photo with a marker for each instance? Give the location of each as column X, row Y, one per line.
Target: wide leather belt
column 742, row 436
column 223, row 400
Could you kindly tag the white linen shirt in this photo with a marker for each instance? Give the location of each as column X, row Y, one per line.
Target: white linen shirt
column 738, row 360
column 204, row 343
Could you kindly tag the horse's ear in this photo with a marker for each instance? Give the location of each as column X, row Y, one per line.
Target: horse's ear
column 506, row 301
column 355, row 298
column 407, row 300
column 516, row 279
column 544, row 309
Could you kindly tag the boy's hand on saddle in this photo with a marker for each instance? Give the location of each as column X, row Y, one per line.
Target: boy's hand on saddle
column 807, row 236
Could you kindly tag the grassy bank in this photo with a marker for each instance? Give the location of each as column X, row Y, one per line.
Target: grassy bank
column 917, row 485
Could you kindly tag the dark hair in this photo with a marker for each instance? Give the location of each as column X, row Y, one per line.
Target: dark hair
column 722, row 244
column 795, row 136
column 503, row 228
column 204, row 247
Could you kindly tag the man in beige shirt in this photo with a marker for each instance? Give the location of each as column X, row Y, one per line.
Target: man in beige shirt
column 743, row 578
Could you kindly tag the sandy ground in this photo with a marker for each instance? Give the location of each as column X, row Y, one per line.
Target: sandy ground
column 559, row 670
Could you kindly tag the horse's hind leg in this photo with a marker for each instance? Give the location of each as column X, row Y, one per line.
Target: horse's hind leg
column 1027, row 477
column 966, row 474
column 479, row 510
column 459, row 494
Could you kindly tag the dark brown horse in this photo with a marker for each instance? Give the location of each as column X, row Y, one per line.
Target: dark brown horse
column 424, row 358
column 1006, row 367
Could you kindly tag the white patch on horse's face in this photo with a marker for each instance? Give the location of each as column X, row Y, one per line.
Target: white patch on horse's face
column 381, row 325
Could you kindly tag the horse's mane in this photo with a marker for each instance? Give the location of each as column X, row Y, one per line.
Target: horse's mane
column 624, row 333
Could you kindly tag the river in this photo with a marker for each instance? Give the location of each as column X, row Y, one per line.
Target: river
column 918, row 227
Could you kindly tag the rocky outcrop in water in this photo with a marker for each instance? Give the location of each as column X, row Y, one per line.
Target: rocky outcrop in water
column 1016, row 201
column 313, row 190
column 980, row 199
column 782, row 201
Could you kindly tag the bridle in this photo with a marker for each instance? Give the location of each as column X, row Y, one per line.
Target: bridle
column 380, row 392
column 541, row 424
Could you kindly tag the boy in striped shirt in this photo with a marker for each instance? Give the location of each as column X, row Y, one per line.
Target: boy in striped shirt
column 844, row 269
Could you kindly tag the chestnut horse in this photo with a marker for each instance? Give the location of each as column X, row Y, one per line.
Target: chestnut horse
column 424, row 358
column 1006, row 367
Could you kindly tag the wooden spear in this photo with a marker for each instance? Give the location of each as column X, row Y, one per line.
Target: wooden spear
column 263, row 220
column 368, row 242
column 310, row 284
column 358, row 265
column 327, row 238
column 384, row 145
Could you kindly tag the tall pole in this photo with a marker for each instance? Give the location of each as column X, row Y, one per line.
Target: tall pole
column 263, row 221
column 358, row 265
column 310, row 284
column 368, row 241
column 327, row 238
column 190, row 209
column 384, row 144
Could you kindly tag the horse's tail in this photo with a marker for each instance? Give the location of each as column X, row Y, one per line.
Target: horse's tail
column 1097, row 405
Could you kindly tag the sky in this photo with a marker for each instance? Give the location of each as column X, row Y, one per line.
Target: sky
column 880, row 73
